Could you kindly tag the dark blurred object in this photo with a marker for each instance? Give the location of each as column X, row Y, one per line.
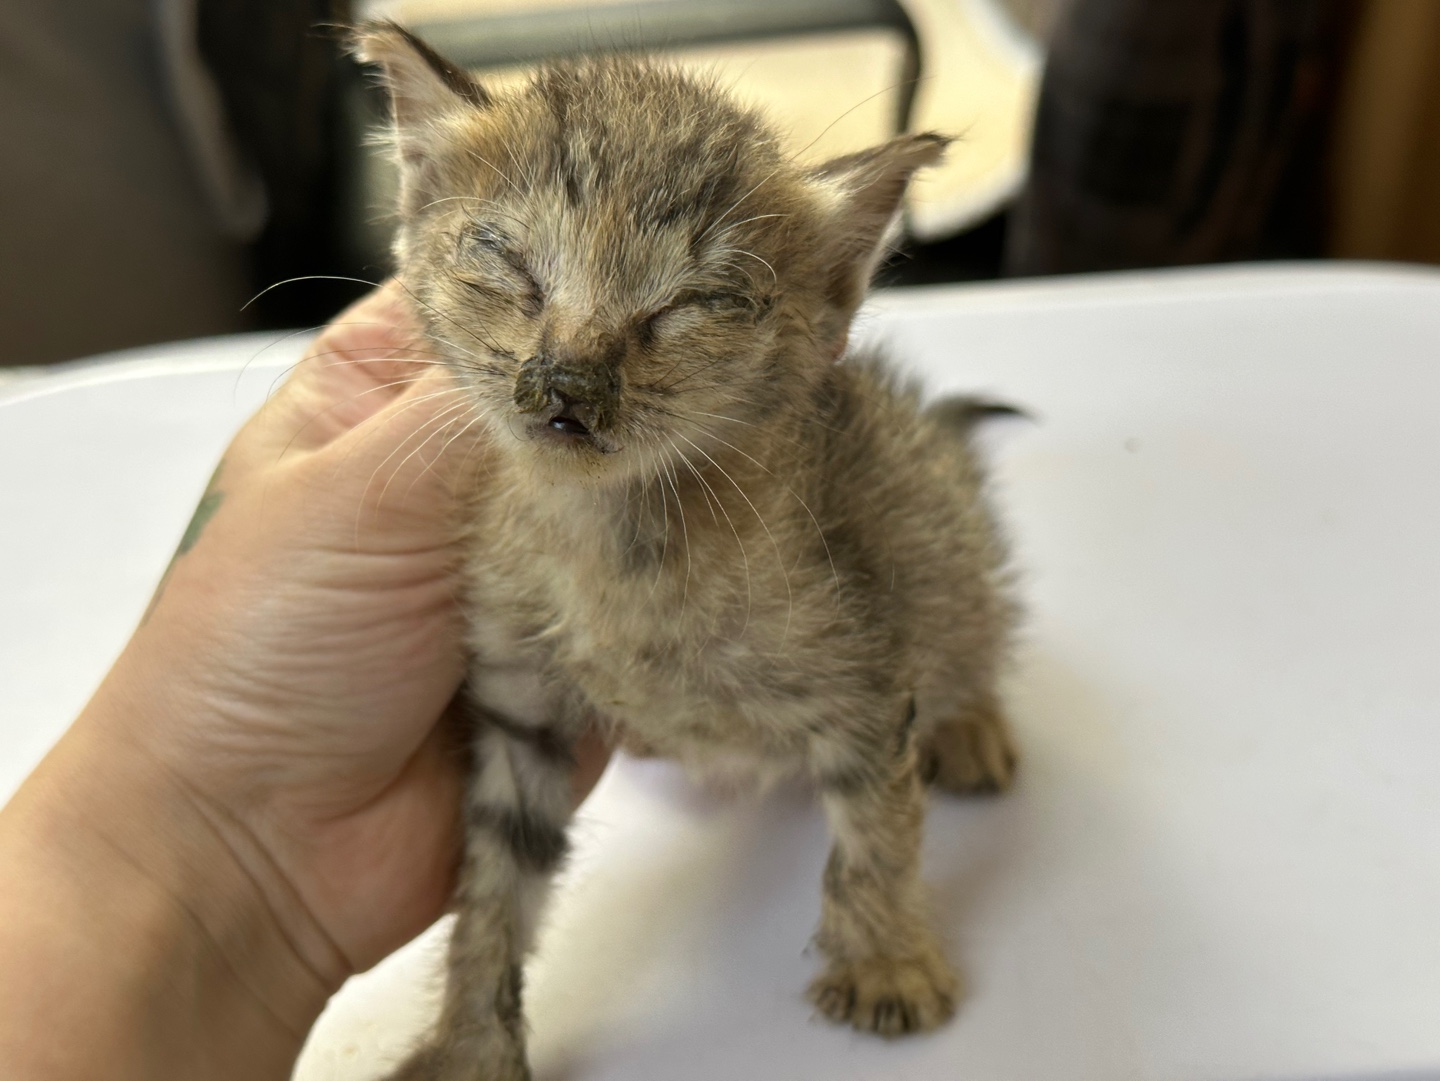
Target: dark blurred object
column 1386, row 162
column 281, row 70
column 106, row 239
column 977, row 254
column 1188, row 131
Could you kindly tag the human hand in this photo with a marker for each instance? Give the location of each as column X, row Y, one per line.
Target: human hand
column 267, row 754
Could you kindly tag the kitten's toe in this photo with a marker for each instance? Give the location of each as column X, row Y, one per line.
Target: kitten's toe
column 972, row 753
column 886, row 996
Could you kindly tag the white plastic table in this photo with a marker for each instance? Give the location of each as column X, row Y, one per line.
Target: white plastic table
column 1222, row 858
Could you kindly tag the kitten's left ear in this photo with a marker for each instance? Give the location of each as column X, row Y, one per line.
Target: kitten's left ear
column 864, row 191
column 425, row 88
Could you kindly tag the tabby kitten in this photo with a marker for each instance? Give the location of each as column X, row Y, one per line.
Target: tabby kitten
column 699, row 520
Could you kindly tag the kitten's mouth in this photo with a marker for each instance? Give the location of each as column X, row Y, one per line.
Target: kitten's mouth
column 567, row 424
column 572, row 424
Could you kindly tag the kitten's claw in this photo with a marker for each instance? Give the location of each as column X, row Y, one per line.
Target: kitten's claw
column 886, row 996
column 970, row 754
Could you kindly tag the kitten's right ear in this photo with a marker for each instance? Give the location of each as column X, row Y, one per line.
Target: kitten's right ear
column 862, row 194
column 424, row 88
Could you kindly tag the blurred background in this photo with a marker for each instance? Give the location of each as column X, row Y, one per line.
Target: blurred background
column 166, row 160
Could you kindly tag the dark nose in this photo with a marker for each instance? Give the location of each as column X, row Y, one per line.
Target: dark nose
column 574, row 396
column 573, row 416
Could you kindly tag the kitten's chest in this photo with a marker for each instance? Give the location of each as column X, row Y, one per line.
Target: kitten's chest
column 673, row 650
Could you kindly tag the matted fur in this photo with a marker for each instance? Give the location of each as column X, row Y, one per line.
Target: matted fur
column 699, row 520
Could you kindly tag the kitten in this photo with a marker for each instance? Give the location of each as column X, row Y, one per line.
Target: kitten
column 700, row 520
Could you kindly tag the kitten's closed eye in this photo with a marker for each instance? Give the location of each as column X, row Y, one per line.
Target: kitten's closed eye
column 693, row 306
column 489, row 263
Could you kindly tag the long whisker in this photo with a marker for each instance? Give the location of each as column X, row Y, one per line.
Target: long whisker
column 819, row 532
column 375, row 285
column 312, row 358
column 345, row 401
column 790, row 439
column 445, row 446
column 779, row 555
column 687, row 376
column 744, row 556
column 480, row 415
column 498, row 171
column 235, row 389
column 309, row 278
column 741, row 251
column 641, row 515
column 766, row 178
column 863, row 101
column 462, row 408
column 490, row 347
column 367, row 426
column 664, row 544
column 754, row 217
column 474, row 446
column 439, row 422
column 721, row 219
column 669, row 474
column 489, row 205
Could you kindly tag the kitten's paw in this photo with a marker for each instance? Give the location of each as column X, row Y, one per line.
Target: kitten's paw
column 636, row 746
column 886, row 996
column 970, row 753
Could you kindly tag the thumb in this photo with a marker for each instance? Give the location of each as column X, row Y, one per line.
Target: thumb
column 404, row 468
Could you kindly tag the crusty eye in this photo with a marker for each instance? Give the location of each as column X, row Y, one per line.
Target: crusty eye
column 489, row 263
column 695, row 301
column 487, row 238
column 719, row 301
column 697, row 305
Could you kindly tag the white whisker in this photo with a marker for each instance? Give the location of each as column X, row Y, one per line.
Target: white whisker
column 819, row 532
column 779, row 555
column 744, row 556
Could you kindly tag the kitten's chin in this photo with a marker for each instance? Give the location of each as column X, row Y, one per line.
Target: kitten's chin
column 570, row 444
column 557, row 454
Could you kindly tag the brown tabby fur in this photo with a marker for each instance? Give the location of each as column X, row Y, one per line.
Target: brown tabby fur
column 698, row 520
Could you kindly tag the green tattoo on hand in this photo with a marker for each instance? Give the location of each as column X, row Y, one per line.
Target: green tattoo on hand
column 204, row 511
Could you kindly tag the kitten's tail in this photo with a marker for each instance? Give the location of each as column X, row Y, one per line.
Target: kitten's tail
column 962, row 414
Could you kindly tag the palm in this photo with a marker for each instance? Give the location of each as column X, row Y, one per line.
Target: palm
column 339, row 635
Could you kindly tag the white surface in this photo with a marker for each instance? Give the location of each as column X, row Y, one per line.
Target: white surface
column 1222, row 860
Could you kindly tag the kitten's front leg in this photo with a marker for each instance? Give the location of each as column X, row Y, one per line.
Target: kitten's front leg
column 516, row 809
column 885, row 972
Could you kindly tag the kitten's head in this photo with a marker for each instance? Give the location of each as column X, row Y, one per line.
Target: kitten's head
column 618, row 260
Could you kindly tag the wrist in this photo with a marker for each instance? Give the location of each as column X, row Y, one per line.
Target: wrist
column 133, row 940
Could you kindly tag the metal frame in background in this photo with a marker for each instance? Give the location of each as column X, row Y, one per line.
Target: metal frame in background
column 527, row 37
column 524, row 37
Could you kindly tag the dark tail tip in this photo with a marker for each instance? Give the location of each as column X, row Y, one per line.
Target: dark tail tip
column 963, row 414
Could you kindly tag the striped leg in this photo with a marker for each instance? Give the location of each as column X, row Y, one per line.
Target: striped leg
column 517, row 806
column 884, row 970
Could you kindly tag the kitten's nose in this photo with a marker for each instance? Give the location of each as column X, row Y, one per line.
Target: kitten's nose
column 577, row 397
column 572, row 416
